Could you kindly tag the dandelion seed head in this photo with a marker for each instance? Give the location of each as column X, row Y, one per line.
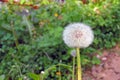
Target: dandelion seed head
column 78, row 35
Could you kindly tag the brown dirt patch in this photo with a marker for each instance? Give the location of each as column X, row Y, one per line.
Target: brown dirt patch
column 109, row 69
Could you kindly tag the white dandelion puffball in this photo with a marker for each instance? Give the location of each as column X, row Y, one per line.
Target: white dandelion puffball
column 78, row 35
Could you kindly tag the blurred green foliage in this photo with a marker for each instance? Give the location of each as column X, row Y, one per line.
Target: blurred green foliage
column 31, row 38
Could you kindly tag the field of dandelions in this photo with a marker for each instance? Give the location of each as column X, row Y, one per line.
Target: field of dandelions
column 55, row 40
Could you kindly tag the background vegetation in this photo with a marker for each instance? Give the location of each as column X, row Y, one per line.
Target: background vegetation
column 31, row 35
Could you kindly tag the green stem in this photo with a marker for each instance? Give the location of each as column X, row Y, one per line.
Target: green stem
column 60, row 72
column 79, row 64
column 29, row 26
column 41, row 76
column 14, row 34
column 73, row 74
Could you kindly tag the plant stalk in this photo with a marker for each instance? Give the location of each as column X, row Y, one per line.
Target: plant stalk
column 60, row 72
column 79, row 71
column 73, row 72
column 15, row 36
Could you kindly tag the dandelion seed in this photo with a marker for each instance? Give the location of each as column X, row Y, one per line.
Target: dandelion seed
column 78, row 35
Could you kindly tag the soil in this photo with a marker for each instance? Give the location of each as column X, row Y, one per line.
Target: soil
column 109, row 69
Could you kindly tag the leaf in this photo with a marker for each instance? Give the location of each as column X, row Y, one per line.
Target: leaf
column 34, row 76
column 22, row 1
column 95, row 60
column 45, row 2
column 2, row 77
column 10, row 1
column 5, row 27
column 48, row 70
column 20, row 79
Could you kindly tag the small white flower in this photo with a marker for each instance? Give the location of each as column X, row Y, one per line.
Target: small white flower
column 78, row 35
column 42, row 72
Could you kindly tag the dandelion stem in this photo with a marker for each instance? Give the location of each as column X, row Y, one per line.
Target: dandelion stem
column 14, row 34
column 73, row 74
column 79, row 64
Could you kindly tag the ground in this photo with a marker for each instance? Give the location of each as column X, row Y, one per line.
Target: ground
column 109, row 69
